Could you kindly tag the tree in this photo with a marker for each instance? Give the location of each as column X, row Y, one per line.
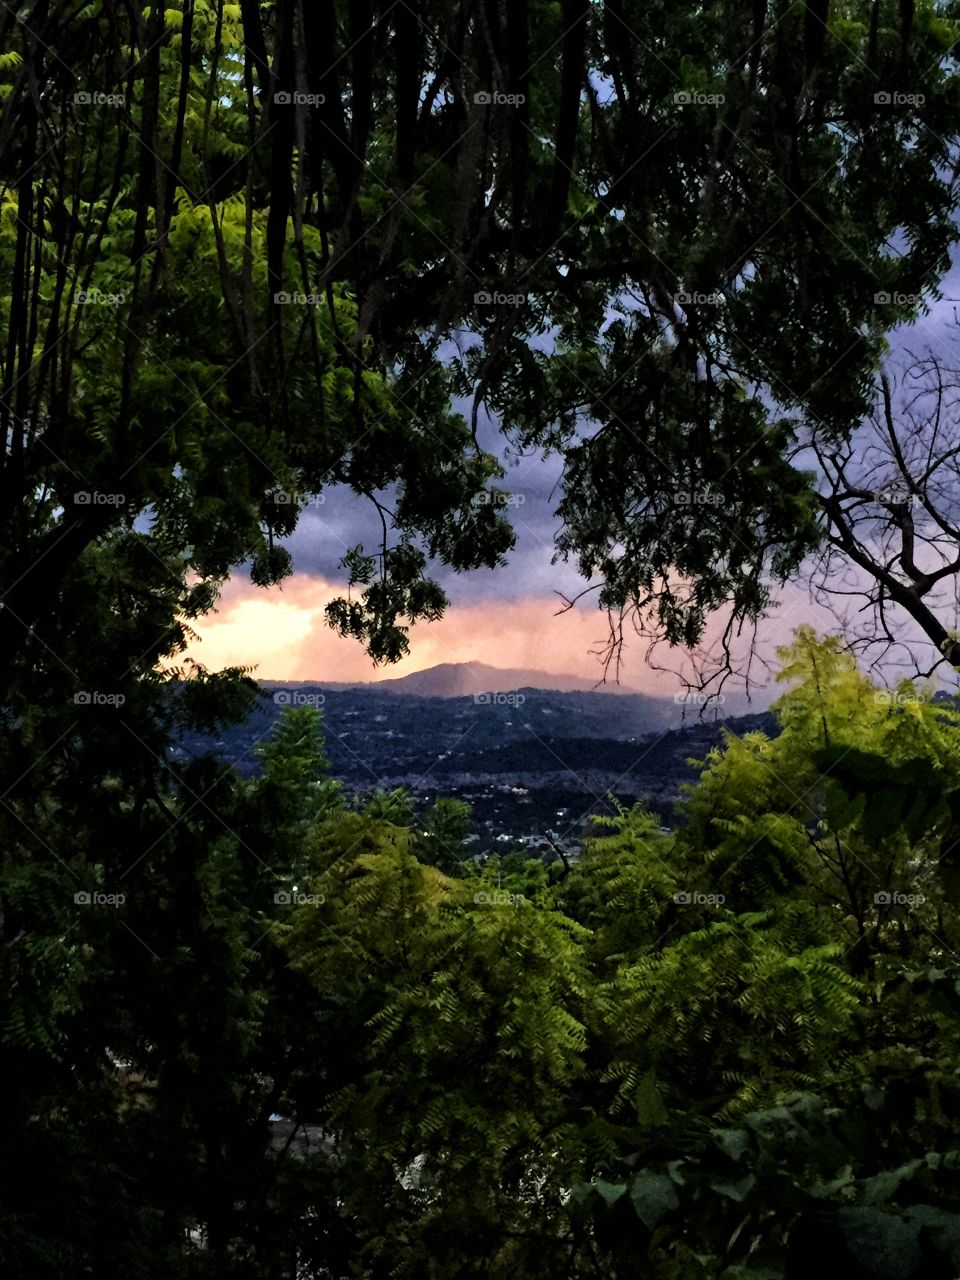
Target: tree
column 189, row 200
column 235, row 243
column 757, row 1156
column 458, row 1027
column 682, row 1057
column 776, row 817
column 442, row 839
column 889, row 512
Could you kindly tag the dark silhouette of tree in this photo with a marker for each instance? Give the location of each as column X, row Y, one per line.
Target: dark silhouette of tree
column 237, row 245
column 890, row 503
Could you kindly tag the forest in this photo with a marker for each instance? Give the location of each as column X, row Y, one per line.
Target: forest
column 698, row 256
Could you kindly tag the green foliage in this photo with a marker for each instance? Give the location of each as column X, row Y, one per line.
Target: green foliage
column 630, row 1070
column 788, row 820
column 458, row 1028
column 678, row 1056
column 442, row 838
column 217, row 305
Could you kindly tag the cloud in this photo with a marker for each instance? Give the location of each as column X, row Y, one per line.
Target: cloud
column 504, row 616
column 282, row 630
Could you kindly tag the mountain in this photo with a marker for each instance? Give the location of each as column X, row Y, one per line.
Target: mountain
column 526, row 759
column 647, row 711
column 465, row 679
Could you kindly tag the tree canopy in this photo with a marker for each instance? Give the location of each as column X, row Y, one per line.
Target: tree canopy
column 252, row 251
column 238, row 240
column 716, row 1053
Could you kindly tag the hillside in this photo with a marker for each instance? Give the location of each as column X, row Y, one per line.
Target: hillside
column 533, row 761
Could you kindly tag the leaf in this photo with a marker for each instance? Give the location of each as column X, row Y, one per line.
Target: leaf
column 648, row 1103
column 823, row 1190
column 881, row 1187
column 733, row 1188
column 882, row 1243
column 941, row 1227
column 732, row 1142
column 610, row 1192
column 653, row 1195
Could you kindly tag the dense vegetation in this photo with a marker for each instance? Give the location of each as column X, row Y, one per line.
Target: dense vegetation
column 725, row 1053
column 252, row 251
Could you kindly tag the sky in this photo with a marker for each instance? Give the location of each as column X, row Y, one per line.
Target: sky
column 504, row 617
column 508, row 617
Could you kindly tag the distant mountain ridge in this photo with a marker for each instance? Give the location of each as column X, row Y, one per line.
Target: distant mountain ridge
column 464, row 679
column 526, row 759
column 468, row 679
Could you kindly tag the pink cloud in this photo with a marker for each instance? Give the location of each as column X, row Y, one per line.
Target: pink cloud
column 282, row 631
